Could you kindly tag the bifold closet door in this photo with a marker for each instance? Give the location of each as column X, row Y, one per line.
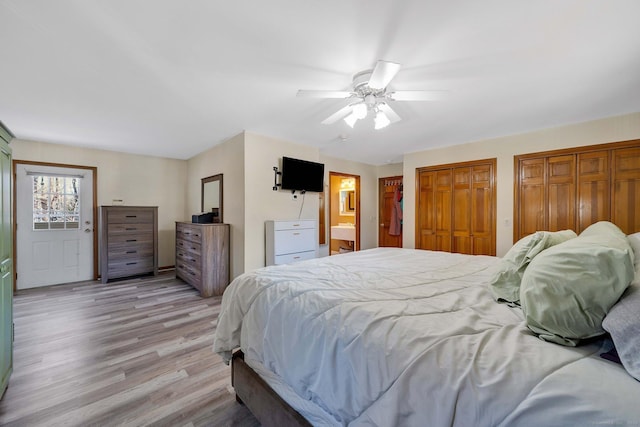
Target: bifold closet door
column 455, row 208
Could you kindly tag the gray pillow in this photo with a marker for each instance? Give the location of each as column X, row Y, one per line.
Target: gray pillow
column 634, row 241
column 623, row 323
column 568, row 289
column 505, row 283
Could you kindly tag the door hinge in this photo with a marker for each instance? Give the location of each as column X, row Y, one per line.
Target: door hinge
column 13, row 332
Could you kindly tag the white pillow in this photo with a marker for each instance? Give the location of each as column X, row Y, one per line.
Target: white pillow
column 505, row 283
column 568, row 289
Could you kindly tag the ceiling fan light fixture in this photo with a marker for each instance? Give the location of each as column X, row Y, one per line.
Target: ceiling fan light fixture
column 351, row 119
column 360, row 111
column 381, row 121
column 370, row 93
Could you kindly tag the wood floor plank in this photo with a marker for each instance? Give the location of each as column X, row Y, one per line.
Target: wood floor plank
column 135, row 352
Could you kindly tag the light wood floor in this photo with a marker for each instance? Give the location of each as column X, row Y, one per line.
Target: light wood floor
column 135, row 352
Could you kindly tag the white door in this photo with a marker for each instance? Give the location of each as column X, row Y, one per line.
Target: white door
column 54, row 213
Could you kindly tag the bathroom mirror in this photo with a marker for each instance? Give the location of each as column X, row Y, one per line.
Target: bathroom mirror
column 347, row 202
column 212, row 196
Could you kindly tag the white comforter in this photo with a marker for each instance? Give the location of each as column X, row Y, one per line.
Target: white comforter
column 394, row 337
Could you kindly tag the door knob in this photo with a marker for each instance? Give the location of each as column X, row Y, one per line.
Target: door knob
column 87, row 230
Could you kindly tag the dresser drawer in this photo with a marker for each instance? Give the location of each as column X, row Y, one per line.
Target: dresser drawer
column 186, row 232
column 133, row 228
column 299, row 240
column 130, row 250
column 130, row 216
column 129, row 267
column 294, row 225
column 193, row 247
column 189, row 274
column 188, row 257
column 299, row 256
column 118, row 239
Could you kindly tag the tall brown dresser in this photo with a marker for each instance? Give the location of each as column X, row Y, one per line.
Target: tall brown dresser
column 202, row 256
column 129, row 241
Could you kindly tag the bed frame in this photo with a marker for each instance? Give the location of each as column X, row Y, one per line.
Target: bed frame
column 263, row 402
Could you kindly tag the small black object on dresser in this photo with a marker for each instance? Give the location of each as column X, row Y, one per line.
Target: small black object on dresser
column 203, row 218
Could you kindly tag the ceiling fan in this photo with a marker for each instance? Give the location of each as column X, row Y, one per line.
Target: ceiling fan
column 370, row 93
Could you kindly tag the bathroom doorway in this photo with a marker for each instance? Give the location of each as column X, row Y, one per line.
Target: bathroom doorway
column 344, row 213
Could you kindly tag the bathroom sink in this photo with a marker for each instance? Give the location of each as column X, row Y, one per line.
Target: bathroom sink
column 343, row 232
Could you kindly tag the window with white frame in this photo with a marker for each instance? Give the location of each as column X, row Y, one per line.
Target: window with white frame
column 56, row 202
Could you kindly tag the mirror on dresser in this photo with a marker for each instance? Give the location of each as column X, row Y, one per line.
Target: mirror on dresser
column 212, row 196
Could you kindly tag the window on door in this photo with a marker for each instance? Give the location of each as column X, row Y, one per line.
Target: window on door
column 56, row 202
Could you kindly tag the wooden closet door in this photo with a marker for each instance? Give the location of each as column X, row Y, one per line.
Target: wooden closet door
column 455, row 208
column 425, row 211
column 462, row 210
column 442, row 209
column 593, row 188
column 626, row 189
column 531, row 203
column 561, row 205
column 482, row 208
column 578, row 187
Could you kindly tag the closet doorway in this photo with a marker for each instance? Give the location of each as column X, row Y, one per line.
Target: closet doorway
column 390, row 211
column 344, row 213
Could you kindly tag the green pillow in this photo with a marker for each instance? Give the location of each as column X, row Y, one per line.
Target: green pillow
column 568, row 289
column 505, row 283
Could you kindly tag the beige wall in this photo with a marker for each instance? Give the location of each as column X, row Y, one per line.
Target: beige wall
column 391, row 169
column 228, row 159
column 247, row 160
column 620, row 128
column 261, row 202
column 368, row 198
column 137, row 180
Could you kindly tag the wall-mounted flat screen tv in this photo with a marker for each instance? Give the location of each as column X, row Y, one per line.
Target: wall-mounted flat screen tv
column 302, row 175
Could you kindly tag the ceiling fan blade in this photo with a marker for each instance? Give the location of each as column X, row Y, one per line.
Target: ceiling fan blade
column 392, row 115
column 340, row 114
column 382, row 74
column 417, row 95
column 336, row 94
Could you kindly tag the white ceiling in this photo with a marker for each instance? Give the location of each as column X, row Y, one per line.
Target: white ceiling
column 173, row 78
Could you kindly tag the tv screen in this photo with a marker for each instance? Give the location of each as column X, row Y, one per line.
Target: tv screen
column 302, row 175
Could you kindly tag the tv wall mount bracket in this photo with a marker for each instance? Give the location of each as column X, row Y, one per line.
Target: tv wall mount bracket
column 276, row 172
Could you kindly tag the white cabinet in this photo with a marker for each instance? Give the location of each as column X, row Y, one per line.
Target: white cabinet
column 291, row 241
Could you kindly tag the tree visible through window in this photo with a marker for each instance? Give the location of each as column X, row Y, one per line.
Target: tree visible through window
column 56, row 202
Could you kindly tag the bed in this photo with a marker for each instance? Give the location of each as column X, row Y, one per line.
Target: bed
column 402, row 337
